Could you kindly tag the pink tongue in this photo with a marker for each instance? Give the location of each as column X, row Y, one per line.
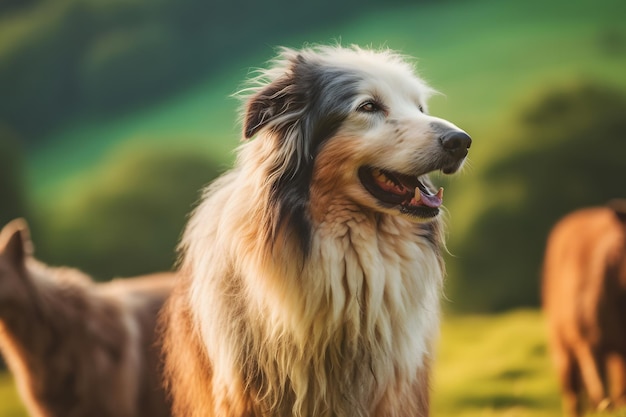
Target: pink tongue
column 433, row 201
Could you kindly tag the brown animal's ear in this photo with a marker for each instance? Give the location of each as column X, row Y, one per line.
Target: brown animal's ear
column 619, row 207
column 15, row 241
column 266, row 105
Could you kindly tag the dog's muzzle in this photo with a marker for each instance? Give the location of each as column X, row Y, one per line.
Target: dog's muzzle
column 455, row 144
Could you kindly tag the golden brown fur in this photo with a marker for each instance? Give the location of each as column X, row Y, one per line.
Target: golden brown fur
column 76, row 348
column 584, row 298
column 302, row 293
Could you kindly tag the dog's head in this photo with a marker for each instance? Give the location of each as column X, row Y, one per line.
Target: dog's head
column 356, row 119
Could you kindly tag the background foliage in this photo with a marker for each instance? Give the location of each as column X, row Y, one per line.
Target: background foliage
column 571, row 155
column 67, row 57
column 127, row 218
column 12, row 186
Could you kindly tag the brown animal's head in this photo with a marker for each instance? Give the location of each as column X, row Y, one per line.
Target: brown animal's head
column 618, row 205
column 619, row 208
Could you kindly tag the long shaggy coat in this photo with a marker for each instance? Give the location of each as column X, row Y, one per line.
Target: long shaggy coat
column 311, row 272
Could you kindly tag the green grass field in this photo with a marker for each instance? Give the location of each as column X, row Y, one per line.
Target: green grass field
column 486, row 366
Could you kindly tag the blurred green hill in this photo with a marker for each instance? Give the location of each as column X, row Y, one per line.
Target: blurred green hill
column 121, row 78
column 129, row 215
column 63, row 58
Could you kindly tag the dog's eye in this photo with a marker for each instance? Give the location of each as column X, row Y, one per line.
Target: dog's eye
column 369, row 107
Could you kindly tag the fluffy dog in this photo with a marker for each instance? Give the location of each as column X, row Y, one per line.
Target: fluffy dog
column 311, row 272
column 76, row 348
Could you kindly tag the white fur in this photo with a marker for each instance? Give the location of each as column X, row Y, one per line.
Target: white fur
column 353, row 321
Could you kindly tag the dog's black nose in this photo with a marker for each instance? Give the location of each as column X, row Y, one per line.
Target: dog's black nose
column 456, row 143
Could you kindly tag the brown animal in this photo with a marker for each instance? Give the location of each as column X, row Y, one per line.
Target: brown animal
column 311, row 272
column 584, row 298
column 76, row 348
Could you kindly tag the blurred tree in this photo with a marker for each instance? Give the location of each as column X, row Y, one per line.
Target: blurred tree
column 63, row 58
column 9, row 6
column 136, row 62
column 129, row 218
column 574, row 155
column 12, row 187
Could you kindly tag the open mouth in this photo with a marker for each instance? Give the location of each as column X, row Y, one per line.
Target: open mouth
column 406, row 192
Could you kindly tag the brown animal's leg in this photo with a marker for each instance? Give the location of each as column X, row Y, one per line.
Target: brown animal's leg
column 616, row 369
column 571, row 383
column 589, row 368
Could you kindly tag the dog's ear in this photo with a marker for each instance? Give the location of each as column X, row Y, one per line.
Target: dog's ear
column 268, row 104
column 15, row 241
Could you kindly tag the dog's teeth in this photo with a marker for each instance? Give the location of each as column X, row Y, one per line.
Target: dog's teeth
column 418, row 195
column 376, row 173
column 440, row 193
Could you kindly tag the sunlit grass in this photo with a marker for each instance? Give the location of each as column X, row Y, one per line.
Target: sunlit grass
column 10, row 405
column 495, row 365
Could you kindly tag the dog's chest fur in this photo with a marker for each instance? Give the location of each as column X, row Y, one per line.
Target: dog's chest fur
column 356, row 324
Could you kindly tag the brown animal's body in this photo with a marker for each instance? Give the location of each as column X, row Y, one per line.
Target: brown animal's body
column 76, row 348
column 584, row 298
column 311, row 272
